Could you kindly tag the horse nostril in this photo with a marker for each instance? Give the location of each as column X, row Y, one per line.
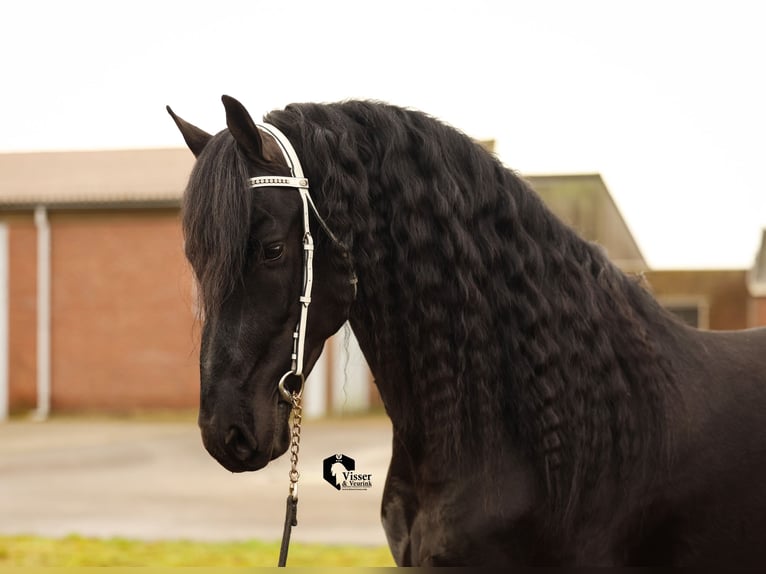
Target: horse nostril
column 240, row 444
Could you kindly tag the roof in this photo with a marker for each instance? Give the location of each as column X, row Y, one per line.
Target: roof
column 140, row 176
column 583, row 202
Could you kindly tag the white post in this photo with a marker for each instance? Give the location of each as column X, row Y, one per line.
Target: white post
column 350, row 381
column 4, row 312
column 43, row 313
column 315, row 391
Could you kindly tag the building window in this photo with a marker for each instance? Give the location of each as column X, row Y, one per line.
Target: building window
column 693, row 312
column 688, row 313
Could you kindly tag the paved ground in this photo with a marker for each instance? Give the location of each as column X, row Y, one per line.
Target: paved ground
column 153, row 480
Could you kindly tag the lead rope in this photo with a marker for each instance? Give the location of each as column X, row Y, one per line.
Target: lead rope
column 291, row 511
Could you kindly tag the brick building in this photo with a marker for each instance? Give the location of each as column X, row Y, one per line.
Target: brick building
column 715, row 299
column 97, row 294
column 97, row 304
column 719, row 299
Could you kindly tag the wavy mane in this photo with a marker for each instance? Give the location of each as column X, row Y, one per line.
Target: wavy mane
column 478, row 305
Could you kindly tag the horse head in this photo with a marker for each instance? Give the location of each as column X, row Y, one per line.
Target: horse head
column 337, row 470
column 246, row 246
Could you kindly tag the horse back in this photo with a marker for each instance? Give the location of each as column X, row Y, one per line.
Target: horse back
column 713, row 508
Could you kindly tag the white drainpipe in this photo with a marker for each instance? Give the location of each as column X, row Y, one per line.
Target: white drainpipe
column 43, row 313
column 4, row 310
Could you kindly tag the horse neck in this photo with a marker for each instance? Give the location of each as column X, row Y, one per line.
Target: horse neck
column 486, row 320
column 526, row 328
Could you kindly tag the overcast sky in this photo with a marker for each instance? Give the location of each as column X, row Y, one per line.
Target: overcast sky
column 666, row 99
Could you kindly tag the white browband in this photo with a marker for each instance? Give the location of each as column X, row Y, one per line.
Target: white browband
column 297, row 181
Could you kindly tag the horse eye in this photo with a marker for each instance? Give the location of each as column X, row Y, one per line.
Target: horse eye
column 273, row 252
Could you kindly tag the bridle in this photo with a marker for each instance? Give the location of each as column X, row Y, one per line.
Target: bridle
column 298, row 181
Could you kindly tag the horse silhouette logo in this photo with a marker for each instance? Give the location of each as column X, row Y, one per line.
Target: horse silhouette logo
column 336, row 468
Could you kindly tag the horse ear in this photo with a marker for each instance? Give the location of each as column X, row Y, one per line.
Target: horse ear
column 243, row 128
column 194, row 137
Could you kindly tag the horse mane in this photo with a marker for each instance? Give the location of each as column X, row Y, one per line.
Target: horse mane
column 493, row 312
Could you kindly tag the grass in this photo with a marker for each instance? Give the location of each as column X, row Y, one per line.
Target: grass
column 77, row 551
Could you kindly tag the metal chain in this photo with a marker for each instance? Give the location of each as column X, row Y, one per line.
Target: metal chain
column 291, row 512
column 295, row 444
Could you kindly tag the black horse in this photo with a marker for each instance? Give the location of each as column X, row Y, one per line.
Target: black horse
column 545, row 408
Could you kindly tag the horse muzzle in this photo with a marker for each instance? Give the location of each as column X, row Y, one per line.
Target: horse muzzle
column 243, row 445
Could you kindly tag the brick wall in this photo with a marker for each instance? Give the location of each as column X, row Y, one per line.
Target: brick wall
column 123, row 334
column 758, row 312
column 723, row 291
column 22, row 312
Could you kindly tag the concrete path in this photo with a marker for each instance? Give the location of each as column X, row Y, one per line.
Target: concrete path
column 156, row 481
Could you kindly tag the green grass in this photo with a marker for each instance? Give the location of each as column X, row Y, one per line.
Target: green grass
column 76, row 551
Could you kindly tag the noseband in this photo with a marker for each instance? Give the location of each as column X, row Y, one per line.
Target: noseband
column 298, row 181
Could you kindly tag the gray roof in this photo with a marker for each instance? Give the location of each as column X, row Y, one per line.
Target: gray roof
column 584, row 203
column 83, row 178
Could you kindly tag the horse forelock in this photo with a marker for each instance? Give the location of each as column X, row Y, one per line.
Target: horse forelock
column 216, row 216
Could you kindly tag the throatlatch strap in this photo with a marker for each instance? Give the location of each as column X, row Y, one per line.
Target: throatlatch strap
column 291, row 519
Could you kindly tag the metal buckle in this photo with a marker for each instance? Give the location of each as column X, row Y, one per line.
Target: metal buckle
column 286, row 394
